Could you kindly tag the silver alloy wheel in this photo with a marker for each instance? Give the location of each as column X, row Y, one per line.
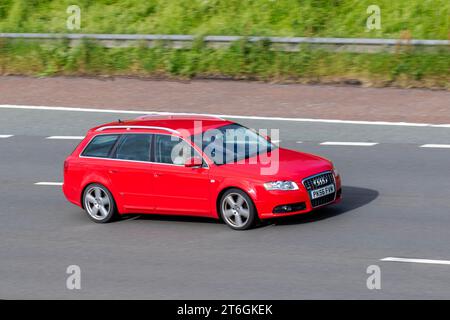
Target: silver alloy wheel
column 235, row 209
column 97, row 203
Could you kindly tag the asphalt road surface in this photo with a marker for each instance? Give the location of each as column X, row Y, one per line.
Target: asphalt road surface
column 396, row 204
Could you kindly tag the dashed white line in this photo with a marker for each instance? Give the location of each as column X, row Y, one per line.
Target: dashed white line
column 414, row 260
column 49, row 183
column 298, row 142
column 5, row 136
column 335, row 121
column 337, row 143
column 65, row 138
column 438, row 146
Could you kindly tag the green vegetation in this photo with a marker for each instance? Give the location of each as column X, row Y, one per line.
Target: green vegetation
column 424, row 19
column 240, row 61
column 427, row 19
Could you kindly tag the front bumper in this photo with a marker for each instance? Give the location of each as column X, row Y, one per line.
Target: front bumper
column 272, row 203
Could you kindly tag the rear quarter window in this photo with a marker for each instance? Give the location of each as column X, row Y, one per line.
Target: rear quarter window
column 100, row 146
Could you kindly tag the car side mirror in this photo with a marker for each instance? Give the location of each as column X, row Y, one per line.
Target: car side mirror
column 193, row 162
column 269, row 138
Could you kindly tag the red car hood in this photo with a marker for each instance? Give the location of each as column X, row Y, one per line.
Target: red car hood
column 289, row 164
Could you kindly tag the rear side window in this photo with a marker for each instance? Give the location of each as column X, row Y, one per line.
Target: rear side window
column 134, row 147
column 100, row 146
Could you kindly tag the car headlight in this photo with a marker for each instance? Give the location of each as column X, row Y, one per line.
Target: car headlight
column 335, row 172
column 281, row 185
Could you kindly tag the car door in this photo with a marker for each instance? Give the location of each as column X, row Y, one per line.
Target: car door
column 131, row 173
column 179, row 189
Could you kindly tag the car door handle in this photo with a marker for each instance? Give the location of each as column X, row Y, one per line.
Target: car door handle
column 113, row 171
column 157, row 174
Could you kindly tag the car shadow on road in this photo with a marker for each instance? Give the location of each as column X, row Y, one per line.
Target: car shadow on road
column 174, row 218
column 352, row 198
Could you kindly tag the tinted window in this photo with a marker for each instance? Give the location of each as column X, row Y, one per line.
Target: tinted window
column 231, row 143
column 172, row 150
column 100, row 146
column 134, row 147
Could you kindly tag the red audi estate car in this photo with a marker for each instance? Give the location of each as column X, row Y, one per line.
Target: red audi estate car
column 194, row 165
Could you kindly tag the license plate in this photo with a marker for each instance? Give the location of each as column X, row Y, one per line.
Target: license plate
column 322, row 191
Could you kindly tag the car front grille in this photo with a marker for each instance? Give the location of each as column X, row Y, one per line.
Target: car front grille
column 319, row 181
column 322, row 200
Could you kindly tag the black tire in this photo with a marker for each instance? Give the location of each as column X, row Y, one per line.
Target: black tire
column 237, row 217
column 99, row 204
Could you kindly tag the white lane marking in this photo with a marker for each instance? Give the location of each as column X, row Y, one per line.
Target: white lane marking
column 65, row 138
column 298, row 142
column 276, row 141
column 413, row 260
column 335, row 121
column 4, row 136
column 48, row 183
column 359, row 144
column 440, row 146
column 11, row 106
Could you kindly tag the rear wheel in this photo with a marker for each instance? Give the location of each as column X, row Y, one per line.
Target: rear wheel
column 99, row 203
column 237, row 209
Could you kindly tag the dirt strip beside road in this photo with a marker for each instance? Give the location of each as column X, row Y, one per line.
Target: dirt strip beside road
column 232, row 98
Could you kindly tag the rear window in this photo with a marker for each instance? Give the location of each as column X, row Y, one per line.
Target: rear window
column 100, row 146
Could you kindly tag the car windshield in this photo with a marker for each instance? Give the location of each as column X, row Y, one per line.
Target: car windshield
column 231, row 143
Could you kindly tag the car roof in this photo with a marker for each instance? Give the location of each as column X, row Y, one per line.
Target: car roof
column 184, row 125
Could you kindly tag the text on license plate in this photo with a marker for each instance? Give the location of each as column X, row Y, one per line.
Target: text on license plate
column 322, row 191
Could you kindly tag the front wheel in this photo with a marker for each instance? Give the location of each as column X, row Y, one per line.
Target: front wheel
column 237, row 209
column 99, row 204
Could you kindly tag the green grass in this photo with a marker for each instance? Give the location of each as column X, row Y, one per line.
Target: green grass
column 242, row 60
column 427, row 19
column 424, row 19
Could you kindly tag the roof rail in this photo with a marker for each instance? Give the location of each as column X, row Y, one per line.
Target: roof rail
column 137, row 127
column 175, row 114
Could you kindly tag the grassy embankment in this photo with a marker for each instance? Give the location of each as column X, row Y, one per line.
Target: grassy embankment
column 333, row 18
